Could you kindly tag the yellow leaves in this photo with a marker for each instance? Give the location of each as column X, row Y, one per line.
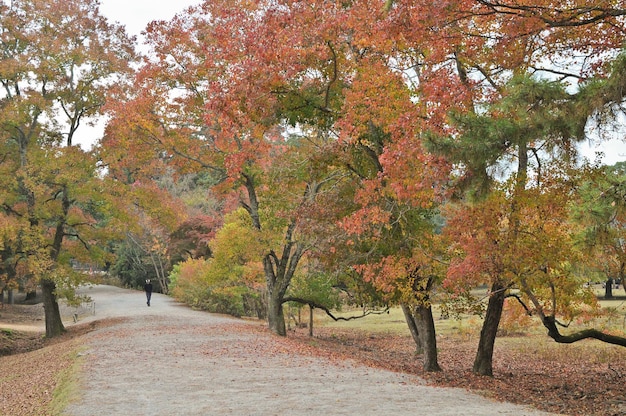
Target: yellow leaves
column 377, row 96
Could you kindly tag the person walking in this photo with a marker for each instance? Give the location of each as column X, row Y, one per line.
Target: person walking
column 148, row 288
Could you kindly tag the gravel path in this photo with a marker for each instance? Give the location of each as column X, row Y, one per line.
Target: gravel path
column 170, row 360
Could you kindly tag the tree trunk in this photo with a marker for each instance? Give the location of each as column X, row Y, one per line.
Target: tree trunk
column 310, row 320
column 278, row 270
column 483, row 363
column 54, row 324
column 410, row 321
column 275, row 314
column 608, row 289
column 426, row 328
column 278, row 275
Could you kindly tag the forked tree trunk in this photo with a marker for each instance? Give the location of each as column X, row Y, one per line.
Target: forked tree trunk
column 54, row 324
column 278, row 275
column 279, row 270
column 422, row 326
column 483, row 363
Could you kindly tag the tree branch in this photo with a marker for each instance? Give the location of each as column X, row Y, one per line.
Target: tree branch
column 553, row 332
column 521, row 302
column 313, row 304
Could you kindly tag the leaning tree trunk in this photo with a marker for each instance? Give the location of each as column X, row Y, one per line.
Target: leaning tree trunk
column 54, row 324
column 483, row 363
column 410, row 321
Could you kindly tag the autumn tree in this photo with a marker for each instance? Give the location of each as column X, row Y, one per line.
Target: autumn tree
column 539, row 120
column 197, row 103
column 465, row 56
column 398, row 187
column 549, row 127
column 58, row 59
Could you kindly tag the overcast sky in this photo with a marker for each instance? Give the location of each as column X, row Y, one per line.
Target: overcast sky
column 136, row 14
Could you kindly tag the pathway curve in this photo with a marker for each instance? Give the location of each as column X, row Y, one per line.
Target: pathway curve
column 170, row 360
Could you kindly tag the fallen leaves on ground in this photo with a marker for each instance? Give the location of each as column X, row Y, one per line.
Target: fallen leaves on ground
column 585, row 378
column 30, row 375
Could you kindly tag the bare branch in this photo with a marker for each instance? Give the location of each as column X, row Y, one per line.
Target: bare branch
column 313, row 304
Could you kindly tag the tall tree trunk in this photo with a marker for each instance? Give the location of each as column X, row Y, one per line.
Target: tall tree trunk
column 54, row 324
column 410, row 321
column 483, row 363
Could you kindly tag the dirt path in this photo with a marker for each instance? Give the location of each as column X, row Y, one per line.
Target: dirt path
column 169, row 360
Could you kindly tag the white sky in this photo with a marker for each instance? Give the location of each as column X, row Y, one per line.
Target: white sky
column 136, row 14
